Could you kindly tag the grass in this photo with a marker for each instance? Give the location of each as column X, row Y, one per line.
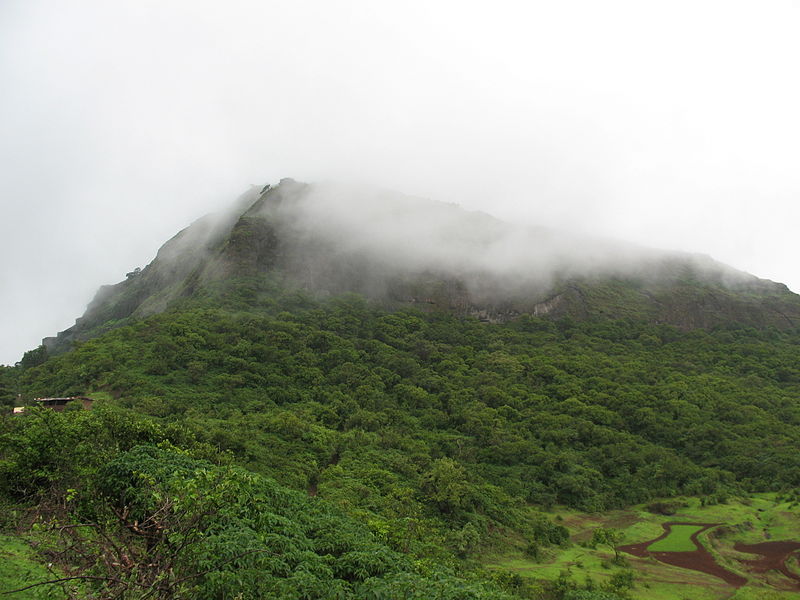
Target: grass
column 754, row 519
column 678, row 540
column 18, row 568
column 642, row 530
column 749, row 593
column 654, row 580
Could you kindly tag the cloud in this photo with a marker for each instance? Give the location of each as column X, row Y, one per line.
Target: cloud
column 339, row 237
column 669, row 125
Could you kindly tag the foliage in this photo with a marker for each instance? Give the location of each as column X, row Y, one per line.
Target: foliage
column 591, row 595
column 33, row 358
column 157, row 521
column 592, row 415
column 8, row 387
column 608, row 537
column 45, row 453
column 436, row 433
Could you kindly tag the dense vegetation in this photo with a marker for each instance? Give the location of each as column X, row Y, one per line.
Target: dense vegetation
column 8, row 387
column 127, row 519
column 424, row 437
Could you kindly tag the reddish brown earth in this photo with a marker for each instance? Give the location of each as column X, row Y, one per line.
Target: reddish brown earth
column 698, row 560
column 774, row 555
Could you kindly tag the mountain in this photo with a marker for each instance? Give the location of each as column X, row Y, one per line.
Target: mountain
column 337, row 393
column 401, row 251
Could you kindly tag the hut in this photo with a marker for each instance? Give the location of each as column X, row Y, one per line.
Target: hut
column 59, row 404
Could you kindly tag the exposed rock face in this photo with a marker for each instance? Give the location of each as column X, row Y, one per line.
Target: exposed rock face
column 403, row 251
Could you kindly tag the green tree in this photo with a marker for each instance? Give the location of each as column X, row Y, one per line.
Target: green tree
column 8, row 393
column 33, row 358
column 446, row 484
column 608, row 537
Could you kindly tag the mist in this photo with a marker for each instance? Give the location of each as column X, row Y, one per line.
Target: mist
column 670, row 126
column 415, row 235
column 357, row 237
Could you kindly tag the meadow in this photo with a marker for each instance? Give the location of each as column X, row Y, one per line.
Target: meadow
column 748, row 520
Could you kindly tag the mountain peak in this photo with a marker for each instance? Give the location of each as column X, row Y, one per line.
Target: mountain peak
column 400, row 250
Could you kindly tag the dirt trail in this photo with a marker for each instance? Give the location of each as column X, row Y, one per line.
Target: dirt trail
column 774, row 556
column 697, row 560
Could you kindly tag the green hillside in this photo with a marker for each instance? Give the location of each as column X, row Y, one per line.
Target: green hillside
column 444, row 435
column 125, row 507
column 260, row 431
column 587, row 414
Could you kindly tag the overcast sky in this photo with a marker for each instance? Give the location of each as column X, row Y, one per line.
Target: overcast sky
column 673, row 124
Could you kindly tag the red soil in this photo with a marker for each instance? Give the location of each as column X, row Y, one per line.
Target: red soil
column 697, row 560
column 774, row 555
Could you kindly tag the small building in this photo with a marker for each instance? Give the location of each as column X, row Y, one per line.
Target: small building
column 59, row 404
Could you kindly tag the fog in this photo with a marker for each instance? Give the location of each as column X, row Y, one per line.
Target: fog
column 332, row 238
column 398, row 233
column 670, row 125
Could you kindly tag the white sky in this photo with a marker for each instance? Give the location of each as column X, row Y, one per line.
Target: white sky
column 673, row 124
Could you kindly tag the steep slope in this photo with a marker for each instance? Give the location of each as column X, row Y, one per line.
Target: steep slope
column 403, row 251
column 441, row 434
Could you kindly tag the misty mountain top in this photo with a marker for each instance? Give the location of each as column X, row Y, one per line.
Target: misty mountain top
column 416, row 234
column 328, row 239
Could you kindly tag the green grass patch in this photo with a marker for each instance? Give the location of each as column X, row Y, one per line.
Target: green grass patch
column 642, row 531
column 752, row 519
column 678, row 540
column 19, row 568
